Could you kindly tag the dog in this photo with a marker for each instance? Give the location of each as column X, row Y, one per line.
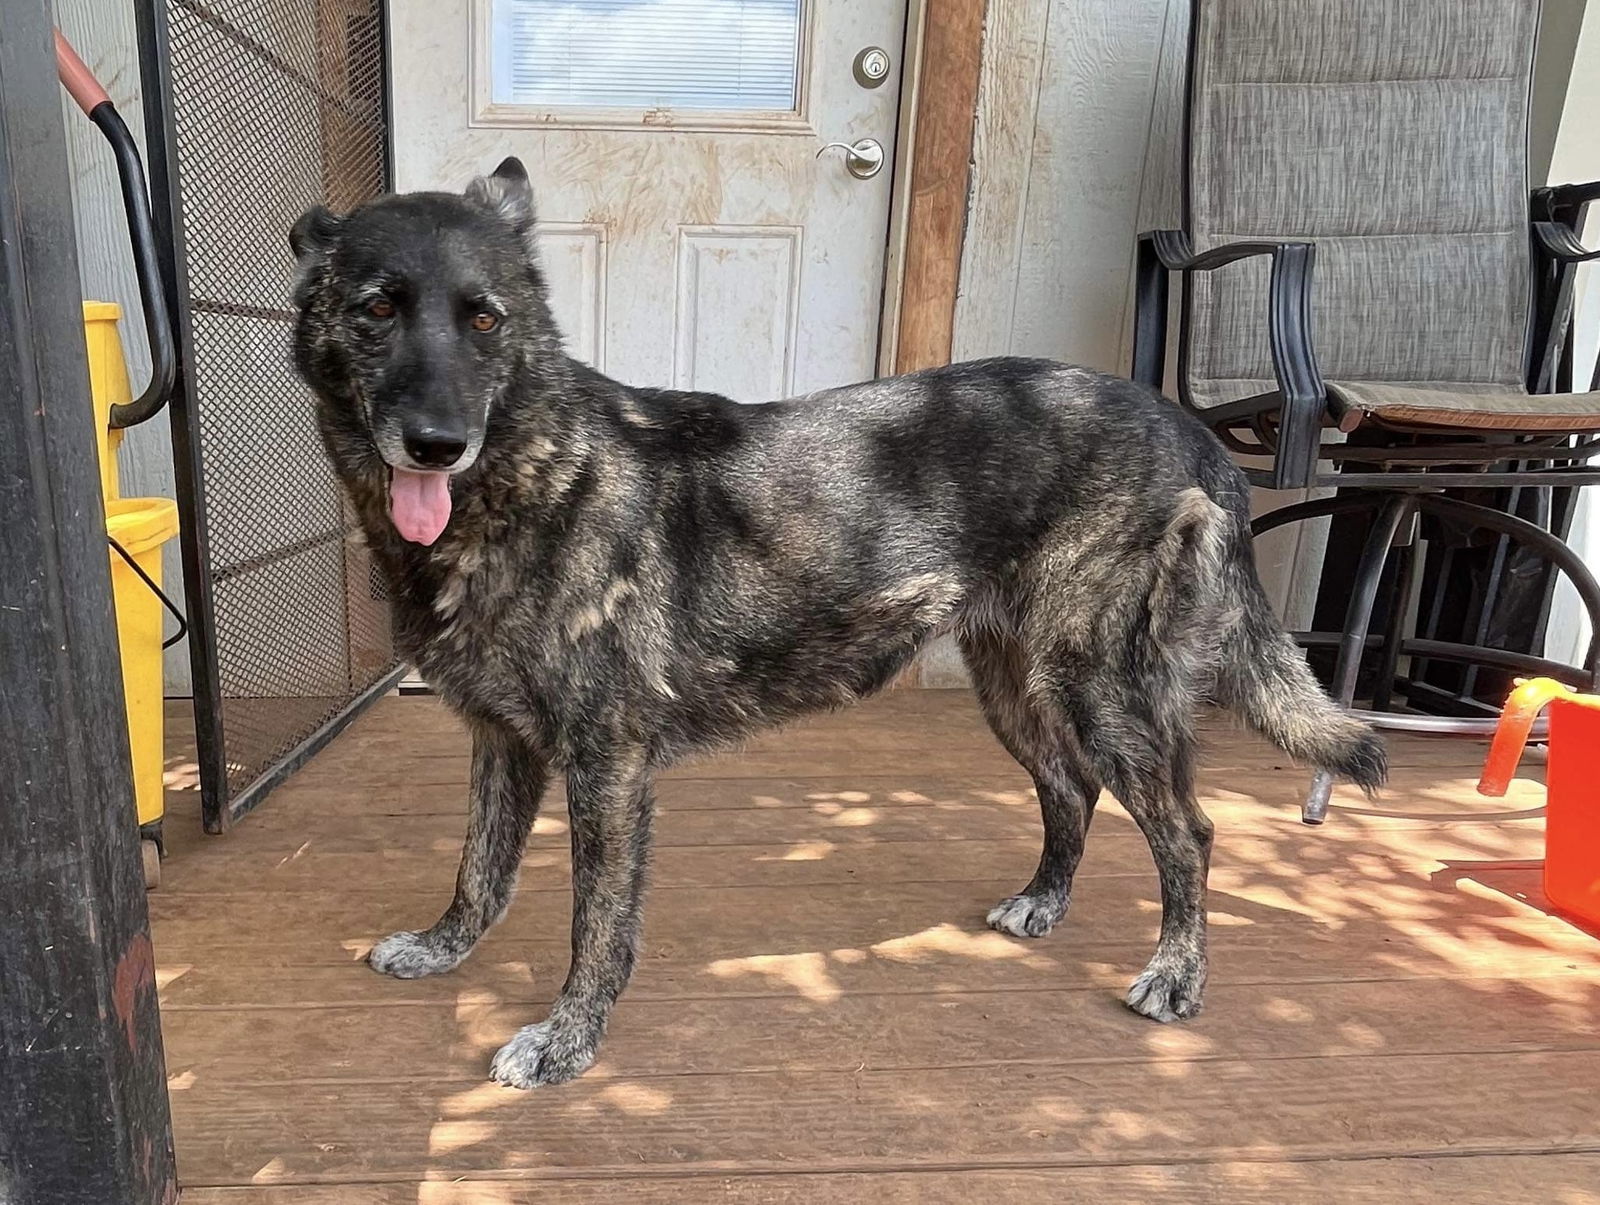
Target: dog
column 601, row 579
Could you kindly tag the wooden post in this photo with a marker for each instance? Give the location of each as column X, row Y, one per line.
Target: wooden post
column 941, row 162
column 83, row 1104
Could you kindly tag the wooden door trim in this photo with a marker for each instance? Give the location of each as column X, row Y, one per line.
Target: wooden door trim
column 928, row 212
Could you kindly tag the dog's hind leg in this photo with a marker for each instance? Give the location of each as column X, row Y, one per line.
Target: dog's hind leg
column 1066, row 784
column 611, row 807
column 1147, row 762
column 508, row 781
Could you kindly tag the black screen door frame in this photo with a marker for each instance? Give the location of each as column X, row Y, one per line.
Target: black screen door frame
column 228, row 788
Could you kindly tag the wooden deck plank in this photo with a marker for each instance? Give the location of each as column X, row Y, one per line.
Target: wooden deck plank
column 819, row 1013
column 956, row 1117
column 452, row 1040
column 301, row 927
column 433, row 749
column 388, row 768
column 816, row 857
column 1431, row 793
column 409, row 733
column 1480, row 1180
column 942, row 958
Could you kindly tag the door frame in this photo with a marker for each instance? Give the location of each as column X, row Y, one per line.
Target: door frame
column 942, row 59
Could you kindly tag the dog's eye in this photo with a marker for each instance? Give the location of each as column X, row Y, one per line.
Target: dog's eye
column 381, row 307
column 485, row 321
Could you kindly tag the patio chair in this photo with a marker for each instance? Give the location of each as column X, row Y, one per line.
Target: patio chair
column 1357, row 170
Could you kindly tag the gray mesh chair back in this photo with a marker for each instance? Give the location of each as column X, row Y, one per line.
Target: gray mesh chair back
column 1393, row 136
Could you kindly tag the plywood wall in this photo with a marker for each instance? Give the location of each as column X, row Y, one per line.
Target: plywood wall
column 1065, row 172
column 1075, row 151
column 1078, row 150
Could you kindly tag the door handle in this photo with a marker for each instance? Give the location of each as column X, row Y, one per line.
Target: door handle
column 863, row 158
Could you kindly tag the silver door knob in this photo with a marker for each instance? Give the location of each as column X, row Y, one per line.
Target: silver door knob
column 863, row 158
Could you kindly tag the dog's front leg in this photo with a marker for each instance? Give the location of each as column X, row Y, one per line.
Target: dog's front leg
column 508, row 781
column 610, row 805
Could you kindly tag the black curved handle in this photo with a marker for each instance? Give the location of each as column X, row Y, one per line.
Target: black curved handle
column 146, row 266
column 92, row 99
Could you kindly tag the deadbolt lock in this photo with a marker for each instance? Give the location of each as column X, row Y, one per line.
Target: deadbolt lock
column 871, row 67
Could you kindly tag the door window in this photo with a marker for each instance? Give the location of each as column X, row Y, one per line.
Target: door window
column 694, row 57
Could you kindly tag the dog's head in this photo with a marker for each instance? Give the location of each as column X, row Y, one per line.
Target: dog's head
column 416, row 311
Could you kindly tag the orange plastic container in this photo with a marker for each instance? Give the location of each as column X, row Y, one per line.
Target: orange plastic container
column 1572, row 811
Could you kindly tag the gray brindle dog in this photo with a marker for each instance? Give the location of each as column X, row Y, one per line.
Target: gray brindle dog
column 601, row 579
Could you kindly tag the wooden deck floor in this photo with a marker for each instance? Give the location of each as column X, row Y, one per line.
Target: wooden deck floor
column 820, row 1015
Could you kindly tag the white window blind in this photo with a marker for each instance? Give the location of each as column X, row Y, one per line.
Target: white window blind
column 729, row 55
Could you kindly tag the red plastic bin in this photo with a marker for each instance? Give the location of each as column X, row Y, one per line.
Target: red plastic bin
column 1572, row 811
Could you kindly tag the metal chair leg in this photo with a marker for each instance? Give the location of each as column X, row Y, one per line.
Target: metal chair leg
column 1358, row 619
column 1396, row 512
column 1407, row 575
column 1316, row 508
column 1315, row 808
column 1550, row 546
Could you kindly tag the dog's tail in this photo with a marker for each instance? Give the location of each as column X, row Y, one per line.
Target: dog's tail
column 1265, row 680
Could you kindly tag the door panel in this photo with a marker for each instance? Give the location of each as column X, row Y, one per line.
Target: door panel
column 737, row 309
column 685, row 246
column 574, row 259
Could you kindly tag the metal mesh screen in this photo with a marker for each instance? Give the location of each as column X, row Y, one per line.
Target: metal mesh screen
column 278, row 105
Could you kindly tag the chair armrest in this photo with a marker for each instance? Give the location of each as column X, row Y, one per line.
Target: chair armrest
column 1558, row 215
column 1294, row 360
column 1177, row 254
column 1557, row 240
column 1549, row 199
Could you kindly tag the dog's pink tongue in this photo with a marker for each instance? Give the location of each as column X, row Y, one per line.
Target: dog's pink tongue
column 419, row 504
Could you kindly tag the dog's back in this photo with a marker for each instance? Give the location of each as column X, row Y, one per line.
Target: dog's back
column 814, row 545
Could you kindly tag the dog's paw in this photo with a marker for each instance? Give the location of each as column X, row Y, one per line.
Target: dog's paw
column 545, row 1053
column 1168, row 993
column 411, row 956
column 1027, row 915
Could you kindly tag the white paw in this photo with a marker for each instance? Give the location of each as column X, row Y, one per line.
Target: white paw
column 543, row 1054
column 1027, row 915
column 411, row 956
column 1168, row 993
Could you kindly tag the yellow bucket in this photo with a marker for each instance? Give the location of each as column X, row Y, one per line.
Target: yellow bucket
column 141, row 526
column 108, row 383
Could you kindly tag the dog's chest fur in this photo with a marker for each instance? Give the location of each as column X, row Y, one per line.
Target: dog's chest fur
column 449, row 604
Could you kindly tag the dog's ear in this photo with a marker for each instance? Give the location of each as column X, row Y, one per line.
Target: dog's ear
column 508, row 193
column 311, row 238
column 314, row 233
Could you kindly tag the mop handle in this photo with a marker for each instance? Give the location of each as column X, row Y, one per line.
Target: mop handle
column 77, row 78
column 82, row 86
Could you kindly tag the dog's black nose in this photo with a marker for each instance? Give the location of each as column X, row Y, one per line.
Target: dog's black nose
column 434, row 447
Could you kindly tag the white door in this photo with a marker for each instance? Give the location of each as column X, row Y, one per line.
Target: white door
column 691, row 235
